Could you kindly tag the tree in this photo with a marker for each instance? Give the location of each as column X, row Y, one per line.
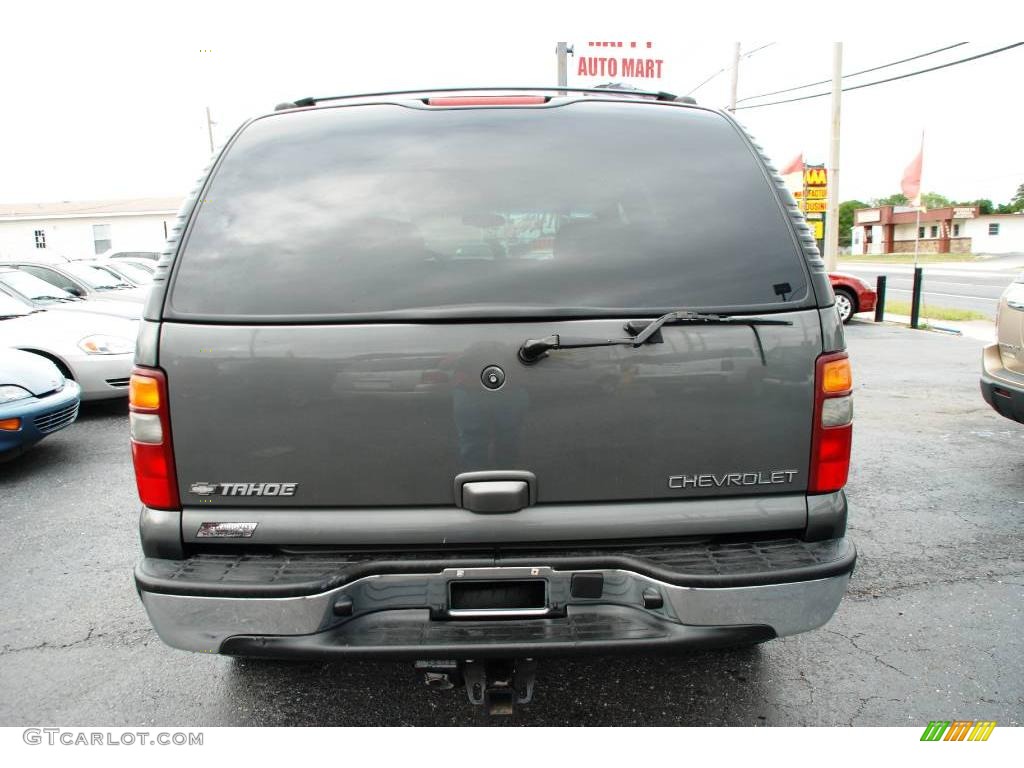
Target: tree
column 1017, row 201
column 898, row 199
column 928, row 200
column 935, row 200
column 984, row 205
column 846, row 209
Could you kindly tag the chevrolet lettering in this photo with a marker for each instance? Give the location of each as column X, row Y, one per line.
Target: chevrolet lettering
column 774, row 477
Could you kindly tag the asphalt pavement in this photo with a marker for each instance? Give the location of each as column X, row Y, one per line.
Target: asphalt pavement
column 971, row 285
column 931, row 629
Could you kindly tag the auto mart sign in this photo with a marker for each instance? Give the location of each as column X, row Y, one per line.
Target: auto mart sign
column 620, row 60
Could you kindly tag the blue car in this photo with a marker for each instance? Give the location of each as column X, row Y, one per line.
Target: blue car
column 35, row 401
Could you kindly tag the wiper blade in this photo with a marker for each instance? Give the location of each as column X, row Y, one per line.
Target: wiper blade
column 642, row 332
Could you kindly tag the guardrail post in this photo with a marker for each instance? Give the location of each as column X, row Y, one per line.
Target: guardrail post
column 915, row 305
column 880, row 300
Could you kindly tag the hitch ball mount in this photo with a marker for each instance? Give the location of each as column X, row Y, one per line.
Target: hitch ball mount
column 497, row 685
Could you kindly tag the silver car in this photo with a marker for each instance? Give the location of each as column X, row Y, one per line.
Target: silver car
column 123, row 270
column 93, row 350
column 83, row 280
column 43, row 295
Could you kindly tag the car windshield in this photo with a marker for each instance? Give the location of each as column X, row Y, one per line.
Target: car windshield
column 12, row 307
column 136, row 274
column 33, row 287
column 94, row 277
column 590, row 208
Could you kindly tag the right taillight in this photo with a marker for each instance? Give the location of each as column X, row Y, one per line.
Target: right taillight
column 152, row 452
column 833, row 423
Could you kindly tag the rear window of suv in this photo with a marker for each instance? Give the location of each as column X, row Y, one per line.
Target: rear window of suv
column 591, row 208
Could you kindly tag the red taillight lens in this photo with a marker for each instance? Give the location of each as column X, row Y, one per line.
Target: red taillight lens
column 832, row 439
column 483, row 101
column 152, row 451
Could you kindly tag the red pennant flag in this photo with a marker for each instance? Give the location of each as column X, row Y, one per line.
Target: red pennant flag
column 911, row 181
column 796, row 165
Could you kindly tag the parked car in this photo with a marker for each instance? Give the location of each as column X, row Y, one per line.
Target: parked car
column 144, row 255
column 35, row 401
column 91, row 349
column 144, row 264
column 350, row 440
column 1002, row 363
column 83, row 280
column 123, row 270
column 44, row 295
column 853, row 295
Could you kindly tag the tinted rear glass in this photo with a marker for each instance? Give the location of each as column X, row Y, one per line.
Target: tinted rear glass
column 586, row 208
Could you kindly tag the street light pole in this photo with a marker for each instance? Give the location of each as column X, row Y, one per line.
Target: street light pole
column 735, row 77
column 209, row 129
column 563, row 50
column 832, row 212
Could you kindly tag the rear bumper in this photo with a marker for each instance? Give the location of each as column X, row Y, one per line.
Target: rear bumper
column 696, row 594
column 1002, row 389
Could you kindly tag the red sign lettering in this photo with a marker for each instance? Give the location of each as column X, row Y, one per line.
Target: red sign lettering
column 627, row 66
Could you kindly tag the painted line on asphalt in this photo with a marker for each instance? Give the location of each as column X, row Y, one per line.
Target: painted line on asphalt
column 875, row 269
column 948, row 295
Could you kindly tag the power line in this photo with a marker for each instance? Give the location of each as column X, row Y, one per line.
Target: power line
column 746, row 55
column 888, row 79
column 854, row 74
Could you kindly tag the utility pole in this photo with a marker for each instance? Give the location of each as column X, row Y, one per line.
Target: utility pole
column 209, row 129
column 562, row 50
column 735, row 77
column 832, row 212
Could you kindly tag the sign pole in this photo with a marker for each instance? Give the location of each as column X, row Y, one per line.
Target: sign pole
column 832, row 214
column 734, row 86
column 562, row 50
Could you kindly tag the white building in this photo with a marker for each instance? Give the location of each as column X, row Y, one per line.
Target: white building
column 48, row 231
column 954, row 229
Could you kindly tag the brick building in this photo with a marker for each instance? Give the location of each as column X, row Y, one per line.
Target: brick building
column 953, row 229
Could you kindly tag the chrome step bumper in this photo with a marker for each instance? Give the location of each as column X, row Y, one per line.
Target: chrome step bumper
column 406, row 614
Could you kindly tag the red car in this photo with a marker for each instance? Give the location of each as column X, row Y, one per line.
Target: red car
column 853, row 295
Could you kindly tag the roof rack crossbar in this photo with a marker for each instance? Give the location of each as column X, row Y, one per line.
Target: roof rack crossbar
column 310, row 101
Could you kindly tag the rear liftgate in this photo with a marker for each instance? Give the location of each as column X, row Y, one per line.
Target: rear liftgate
column 476, row 594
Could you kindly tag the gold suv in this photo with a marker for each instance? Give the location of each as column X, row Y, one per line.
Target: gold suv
column 1002, row 363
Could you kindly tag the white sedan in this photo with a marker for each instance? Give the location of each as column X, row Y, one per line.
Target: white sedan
column 96, row 351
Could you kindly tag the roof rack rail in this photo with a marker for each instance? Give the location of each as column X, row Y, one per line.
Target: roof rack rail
column 310, row 101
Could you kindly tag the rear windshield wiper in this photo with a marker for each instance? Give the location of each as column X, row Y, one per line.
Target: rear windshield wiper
column 643, row 332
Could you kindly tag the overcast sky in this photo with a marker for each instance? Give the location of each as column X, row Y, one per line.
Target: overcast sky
column 107, row 100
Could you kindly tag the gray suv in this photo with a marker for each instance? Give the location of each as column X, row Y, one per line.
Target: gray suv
column 472, row 380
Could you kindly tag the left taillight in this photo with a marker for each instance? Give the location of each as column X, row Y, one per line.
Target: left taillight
column 152, row 451
column 833, row 423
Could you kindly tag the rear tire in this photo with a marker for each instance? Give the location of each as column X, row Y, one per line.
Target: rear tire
column 846, row 304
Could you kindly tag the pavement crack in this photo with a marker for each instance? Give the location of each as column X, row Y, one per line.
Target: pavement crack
column 875, row 656
column 864, row 702
column 90, row 635
column 887, row 591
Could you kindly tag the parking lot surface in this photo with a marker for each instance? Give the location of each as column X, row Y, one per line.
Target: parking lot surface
column 932, row 628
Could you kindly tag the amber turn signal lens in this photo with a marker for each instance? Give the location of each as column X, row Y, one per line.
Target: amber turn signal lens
column 10, row 425
column 144, row 392
column 836, row 376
